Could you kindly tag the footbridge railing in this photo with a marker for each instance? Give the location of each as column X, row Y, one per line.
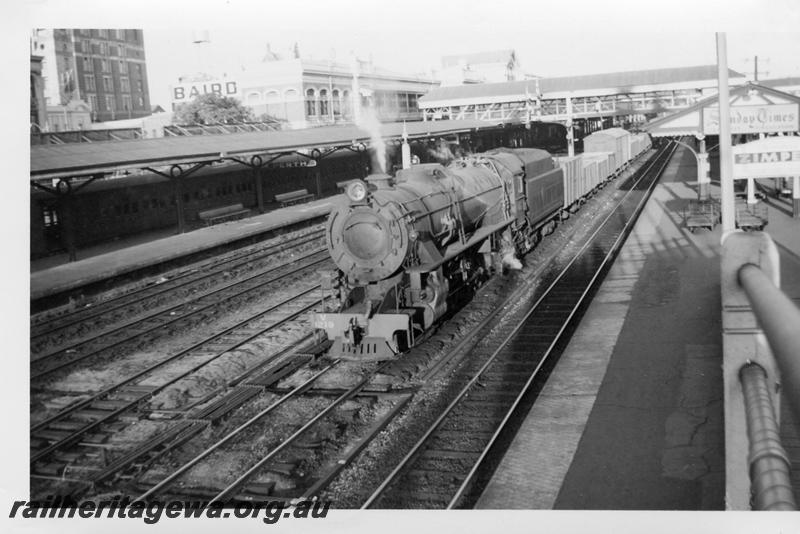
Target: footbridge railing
column 761, row 347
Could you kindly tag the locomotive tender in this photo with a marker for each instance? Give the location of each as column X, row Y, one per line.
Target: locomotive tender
column 404, row 246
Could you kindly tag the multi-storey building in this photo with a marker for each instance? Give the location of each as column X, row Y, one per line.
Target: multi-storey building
column 38, row 108
column 303, row 92
column 105, row 68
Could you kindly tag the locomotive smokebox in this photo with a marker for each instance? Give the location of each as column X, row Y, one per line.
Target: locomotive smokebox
column 367, row 241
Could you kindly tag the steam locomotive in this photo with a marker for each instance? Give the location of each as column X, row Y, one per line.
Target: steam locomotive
column 404, row 245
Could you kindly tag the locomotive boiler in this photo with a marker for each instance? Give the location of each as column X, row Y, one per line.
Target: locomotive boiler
column 405, row 245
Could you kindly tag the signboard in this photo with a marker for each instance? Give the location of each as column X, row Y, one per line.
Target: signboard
column 766, row 118
column 188, row 91
column 766, row 158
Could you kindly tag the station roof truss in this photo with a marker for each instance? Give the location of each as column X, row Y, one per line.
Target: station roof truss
column 620, row 93
column 746, row 102
column 73, row 160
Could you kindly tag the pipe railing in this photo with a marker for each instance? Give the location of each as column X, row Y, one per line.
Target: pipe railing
column 779, row 318
column 770, row 477
column 761, row 348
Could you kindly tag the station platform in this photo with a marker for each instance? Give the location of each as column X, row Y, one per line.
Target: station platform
column 71, row 276
column 631, row 418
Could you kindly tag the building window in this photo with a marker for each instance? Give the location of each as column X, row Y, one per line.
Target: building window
column 121, row 50
column 108, row 87
column 104, row 65
column 93, row 102
column 120, row 34
column 103, row 49
column 346, row 102
column 139, row 86
column 323, row 102
column 272, row 96
column 253, row 97
column 123, row 67
column 49, row 216
column 88, row 64
column 89, row 82
column 86, row 46
column 109, row 102
column 337, row 103
column 125, row 85
column 311, row 103
column 140, row 101
column 103, row 33
column 126, row 102
column 113, row 50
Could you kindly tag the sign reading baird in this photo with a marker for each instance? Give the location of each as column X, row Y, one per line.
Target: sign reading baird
column 187, row 92
column 754, row 119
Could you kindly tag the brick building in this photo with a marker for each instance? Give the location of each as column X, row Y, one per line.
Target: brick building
column 105, row 68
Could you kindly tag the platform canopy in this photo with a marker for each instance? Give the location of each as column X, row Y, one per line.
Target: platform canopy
column 85, row 159
column 754, row 109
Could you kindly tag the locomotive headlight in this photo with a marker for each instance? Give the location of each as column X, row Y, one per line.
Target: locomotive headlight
column 356, row 191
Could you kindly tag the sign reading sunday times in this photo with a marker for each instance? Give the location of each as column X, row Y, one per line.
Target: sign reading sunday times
column 754, row 119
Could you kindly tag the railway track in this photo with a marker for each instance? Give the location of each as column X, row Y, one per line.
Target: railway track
column 495, row 383
column 87, row 421
column 109, row 309
column 292, row 442
column 181, row 315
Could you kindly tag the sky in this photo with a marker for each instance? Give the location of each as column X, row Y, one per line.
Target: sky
column 413, row 51
column 410, row 36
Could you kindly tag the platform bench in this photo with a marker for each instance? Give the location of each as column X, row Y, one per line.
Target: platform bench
column 294, row 197
column 225, row 213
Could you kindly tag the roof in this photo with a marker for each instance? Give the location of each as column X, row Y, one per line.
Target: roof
column 610, row 132
column 615, row 82
column 780, row 82
column 77, row 159
column 496, row 56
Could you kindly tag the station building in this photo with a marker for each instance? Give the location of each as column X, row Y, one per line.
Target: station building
column 622, row 98
column 482, row 67
column 306, row 93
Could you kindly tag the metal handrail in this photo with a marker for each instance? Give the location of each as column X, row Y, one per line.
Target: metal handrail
column 770, row 478
column 779, row 318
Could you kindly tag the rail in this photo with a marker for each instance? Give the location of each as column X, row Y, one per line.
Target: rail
column 761, row 347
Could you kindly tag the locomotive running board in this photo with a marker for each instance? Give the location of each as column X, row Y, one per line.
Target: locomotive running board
column 456, row 249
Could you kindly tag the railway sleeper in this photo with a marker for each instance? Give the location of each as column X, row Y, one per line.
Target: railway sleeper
column 89, row 415
column 95, row 438
column 67, row 425
column 55, row 469
column 435, row 477
column 416, row 500
column 51, row 436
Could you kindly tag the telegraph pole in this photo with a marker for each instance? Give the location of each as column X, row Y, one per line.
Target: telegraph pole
column 725, row 155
